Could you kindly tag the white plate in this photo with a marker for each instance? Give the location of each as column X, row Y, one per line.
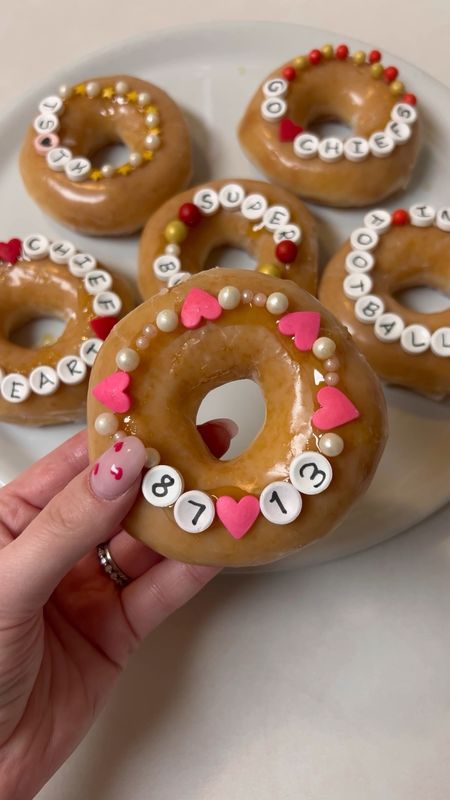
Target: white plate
column 212, row 72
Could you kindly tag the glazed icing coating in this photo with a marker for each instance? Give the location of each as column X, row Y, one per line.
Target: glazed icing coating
column 120, row 204
column 179, row 368
column 230, row 227
column 406, row 256
column 332, row 90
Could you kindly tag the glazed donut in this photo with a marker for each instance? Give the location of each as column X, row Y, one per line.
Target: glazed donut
column 270, row 223
column 315, row 454
column 392, row 252
column 73, row 125
column 374, row 162
column 47, row 385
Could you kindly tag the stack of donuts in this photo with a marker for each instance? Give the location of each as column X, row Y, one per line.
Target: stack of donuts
column 143, row 367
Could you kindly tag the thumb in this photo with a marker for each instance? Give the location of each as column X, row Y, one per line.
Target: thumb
column 86, row 512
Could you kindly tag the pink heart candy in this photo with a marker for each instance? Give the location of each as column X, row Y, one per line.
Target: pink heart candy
column 304, row 325
column 199, row 305
column 111, row 391
column 237, row 516
column 336, row 409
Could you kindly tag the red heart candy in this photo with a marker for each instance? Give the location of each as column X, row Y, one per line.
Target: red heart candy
column 111, row 391
column 10, row 251
column 199, row 305
column 102, row 326
column 336, row 409
column 303, row 325
column 288, row 130
column 237, row 516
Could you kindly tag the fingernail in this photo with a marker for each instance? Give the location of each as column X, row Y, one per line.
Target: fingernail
column 117, row 469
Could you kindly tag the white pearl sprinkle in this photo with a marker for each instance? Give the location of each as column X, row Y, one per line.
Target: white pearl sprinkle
column 153, row 457
column 323, row 348
column 152, row 119
column 108, row 170
column 65, row 91
column 127, row 359
column 331, row 444
column 135, row 159
column 167, row 320
column 152, row 141
column 121, row 87
column 277, row 303
column 229, row 297
column 172, row 249
column 92, row 89
column 106, row 424
column 143, row 98
column 119, row 436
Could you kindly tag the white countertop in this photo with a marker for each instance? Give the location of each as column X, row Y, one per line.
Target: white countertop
column 330, row 683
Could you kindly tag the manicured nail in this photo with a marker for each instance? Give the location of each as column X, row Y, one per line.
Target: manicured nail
column 117, row 469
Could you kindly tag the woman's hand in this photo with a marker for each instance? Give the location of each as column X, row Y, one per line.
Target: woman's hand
column 66, row 630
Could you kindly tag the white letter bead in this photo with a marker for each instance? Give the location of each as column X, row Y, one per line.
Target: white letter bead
column 180, row 277
column 355, row 286
column 71, row 369
column 415, row 339
column 51, row 105
column 443, row 219
column 43, row 380
column 231, row 195
column 35, row 247
column 254, row 206
column 162, row 486
column 368, row 308
column 207, row 200
column 331, row 149
column 388, row 327
column 165, row 266
column 381, row 144
column 364, row 239
column 378, row 219
column 290, row 232
column 440, row 342
column 81, row 263
column 89, row 350
column 58, row 158
column 404, row 112
column 107, row 304
column 273, row 108
column 422, row 215
column 275, row 216
column 194, row 511
column 78, row 168
column 398, row 131
column 60, row 252
column 280, row 503
column 306, row 145
column 15, row 388
column 98, row 280
column 311, row 473
column 359, row 261
column 275, row 87
column 356, row 148
column 46, row 123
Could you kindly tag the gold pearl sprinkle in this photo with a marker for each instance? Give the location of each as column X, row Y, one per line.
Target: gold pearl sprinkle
column 270, row 269
column 376, row 70
column 301, row 62
column 359, row 57
column 397, row 87
column 328, row 51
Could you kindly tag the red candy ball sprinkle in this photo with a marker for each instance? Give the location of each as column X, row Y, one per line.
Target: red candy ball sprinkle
column 286, row 251
column 411, row 99
column 400, row 217
column 374, row 56
column 390, row 74
column 190, row 214
column 341, row 52
column 315, row 57
column 289, row 73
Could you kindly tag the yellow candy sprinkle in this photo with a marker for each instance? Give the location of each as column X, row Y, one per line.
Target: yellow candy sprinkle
column 270, row 269
column 80, row 89
column 108, row 92
column 397, row 87
column 155, row 131
column 150, row 110
column 147, row 155
column 359, row 57
column 125, row 169
column 301, row 62
column 176, row 231
column 132, row 96
column 96, row 175
column 328, row 51
column 376, row 70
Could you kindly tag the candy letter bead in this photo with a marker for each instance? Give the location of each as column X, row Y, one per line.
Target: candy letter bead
column 381, row 144
column 46, row 123
column 231, row 195
column 194, row 511
column 356, row 148
column 440, row 342
column 15, row 388
column 58, row 158
column 415, row 339
column 275, row 87
column 98, row 280
column 51, row 105
column 275, row 216
column 229, row 297
column 165, row 266
column 443, row 219
column 81, row 263
column 272, row 108
column 422, row 215
column 280, row 503
column 89, row 350
column 207, row 200
column 359, row 261
column 35, row 247
column 355, row 286
column 306, row 145
column 364, row 239
column 368, row 308
column 71, row 370
column 403, row 112
column 107, row 304
column 291, row 233
column 398, row 131
column 330, row 149
column 179, row 277
column 45, row 142
column 379, row 220
column 61, row 252
column 78, row 168
column 254, row 206
column 310, row 473
column 388, row 327
column 162, row 486
column 43, row 380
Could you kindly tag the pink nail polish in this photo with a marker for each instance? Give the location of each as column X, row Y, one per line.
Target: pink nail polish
column 117, row 469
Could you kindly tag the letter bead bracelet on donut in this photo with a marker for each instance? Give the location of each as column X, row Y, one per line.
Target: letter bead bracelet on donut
column 390, row 253
column 322, row 437
column 266, row 221
column 46, row 385
column 72, row 126
column 332, row 84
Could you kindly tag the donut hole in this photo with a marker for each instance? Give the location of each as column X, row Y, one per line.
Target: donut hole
column 324, row 127
column 114, row 153
column 425, row 299
column 241, row 401
column 37, row 331
column 230, row 257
